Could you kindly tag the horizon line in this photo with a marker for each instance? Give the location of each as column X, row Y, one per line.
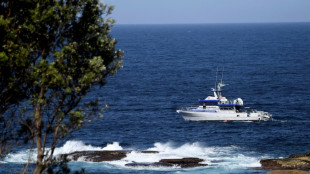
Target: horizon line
column 208, row 23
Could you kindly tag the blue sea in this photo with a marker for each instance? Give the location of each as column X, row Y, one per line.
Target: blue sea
column 167, row 67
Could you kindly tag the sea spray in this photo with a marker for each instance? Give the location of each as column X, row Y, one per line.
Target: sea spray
column 68, row 147
column 223, row 157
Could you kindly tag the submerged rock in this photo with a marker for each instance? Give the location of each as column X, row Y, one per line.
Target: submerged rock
column 149, row 151
column 295, row 161
column 183, row 163
column 156, row 164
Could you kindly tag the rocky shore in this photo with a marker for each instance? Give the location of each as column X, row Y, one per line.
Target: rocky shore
column 288, row 165
column 288, row 172
column 101, row 156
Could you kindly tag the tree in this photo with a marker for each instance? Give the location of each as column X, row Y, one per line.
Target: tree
column 56, row 51
column 14, row 66
column 13, row 54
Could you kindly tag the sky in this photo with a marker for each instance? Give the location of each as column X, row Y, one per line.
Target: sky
column 209, row 11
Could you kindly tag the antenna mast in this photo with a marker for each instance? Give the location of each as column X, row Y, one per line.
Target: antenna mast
column 222, row 75
column 217, row 69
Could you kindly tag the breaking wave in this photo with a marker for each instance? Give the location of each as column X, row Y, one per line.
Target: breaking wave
column 228, row 157
column 68, row 147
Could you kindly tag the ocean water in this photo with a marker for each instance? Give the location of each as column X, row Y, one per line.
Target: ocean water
column 167, row 67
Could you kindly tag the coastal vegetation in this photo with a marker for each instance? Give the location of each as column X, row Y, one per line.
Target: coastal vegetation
column 52, row 53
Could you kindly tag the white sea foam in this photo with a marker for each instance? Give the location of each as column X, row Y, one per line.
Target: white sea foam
column 73, row 146
column 166, row 151
column 224, row 157
column 68, row 147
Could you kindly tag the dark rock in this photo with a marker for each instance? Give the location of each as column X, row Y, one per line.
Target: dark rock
column 184, row 162
column 298, row 155
column 156, row 164
column 190, row 165
column 149, row 151
column 97, row 156
column 288, row 172
column 295, row 161
column 270, row 164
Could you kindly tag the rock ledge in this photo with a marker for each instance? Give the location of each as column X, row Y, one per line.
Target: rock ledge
column 294, row 161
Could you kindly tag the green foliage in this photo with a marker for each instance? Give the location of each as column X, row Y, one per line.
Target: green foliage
column 52, row 52
column 59, row 166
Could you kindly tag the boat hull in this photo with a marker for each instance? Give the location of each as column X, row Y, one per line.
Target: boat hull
column 224, row 116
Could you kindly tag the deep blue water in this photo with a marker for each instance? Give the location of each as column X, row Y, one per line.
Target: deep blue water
column 170, row 66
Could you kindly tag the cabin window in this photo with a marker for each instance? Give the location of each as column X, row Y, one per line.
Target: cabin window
column 227, row 107
column 213, row 103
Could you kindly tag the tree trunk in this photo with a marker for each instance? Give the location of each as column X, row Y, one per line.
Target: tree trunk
column 40, row 154
column 40, row 166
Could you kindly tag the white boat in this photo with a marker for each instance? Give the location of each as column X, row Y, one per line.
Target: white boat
column 219, row 108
